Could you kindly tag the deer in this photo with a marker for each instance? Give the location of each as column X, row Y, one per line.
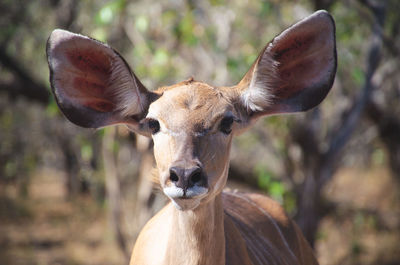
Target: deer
column 192, row 125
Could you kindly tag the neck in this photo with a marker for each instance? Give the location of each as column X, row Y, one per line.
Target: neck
column 198, row 235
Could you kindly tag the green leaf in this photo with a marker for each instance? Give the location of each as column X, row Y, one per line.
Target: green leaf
column 277, row 190
column 52, row 109
column 106, row 15
column 264, row 177
column 358, row 76
column 185, row 29
column 142, row 23
column 289, row 202
column 265, row 8
column 86, row 152
column 109, row 11
column 161, row 57
column 217, row 2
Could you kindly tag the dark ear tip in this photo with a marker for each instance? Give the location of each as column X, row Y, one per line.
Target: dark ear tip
column 319, row 95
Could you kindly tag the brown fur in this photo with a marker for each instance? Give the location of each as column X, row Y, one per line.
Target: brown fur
column 226, row 228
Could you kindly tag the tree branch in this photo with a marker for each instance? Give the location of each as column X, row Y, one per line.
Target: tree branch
column 24, row 84
column 352, row 117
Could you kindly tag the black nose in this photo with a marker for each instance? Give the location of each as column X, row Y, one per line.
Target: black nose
column 186, row 177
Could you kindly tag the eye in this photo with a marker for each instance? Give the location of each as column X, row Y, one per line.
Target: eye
column 226, row 125
column 153, row 125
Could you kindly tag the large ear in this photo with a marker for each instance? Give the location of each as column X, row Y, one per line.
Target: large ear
column 295, row 71
column 92, row 83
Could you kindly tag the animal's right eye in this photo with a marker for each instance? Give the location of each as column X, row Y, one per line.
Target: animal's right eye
column 152, row 124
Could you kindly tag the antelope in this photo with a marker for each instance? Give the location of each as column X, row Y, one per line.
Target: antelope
column 192, row 125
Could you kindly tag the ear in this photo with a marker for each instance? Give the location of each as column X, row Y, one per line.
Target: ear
column 295, row 71
column 92, row 83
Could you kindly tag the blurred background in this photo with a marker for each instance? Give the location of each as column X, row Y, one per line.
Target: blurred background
column 78, row 196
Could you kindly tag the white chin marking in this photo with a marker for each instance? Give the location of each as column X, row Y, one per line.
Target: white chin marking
column 192, row 200
column 173, row 192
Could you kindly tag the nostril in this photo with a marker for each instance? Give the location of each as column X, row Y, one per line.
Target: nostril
column 196, row 176
column 173, row 176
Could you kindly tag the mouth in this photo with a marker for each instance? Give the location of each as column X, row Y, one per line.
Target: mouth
column 194, row 192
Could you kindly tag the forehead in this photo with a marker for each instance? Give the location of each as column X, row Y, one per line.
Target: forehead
column 189, row 104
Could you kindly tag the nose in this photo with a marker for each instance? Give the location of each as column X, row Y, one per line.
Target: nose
column 186, row 177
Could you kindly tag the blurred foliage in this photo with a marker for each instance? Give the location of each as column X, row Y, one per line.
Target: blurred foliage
column 215, row 41
column 170, row 41
column 275, row 188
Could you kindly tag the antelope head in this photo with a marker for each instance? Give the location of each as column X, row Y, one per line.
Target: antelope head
column 192, row 123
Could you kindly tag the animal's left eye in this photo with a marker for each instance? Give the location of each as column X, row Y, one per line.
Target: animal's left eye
column 226, row 125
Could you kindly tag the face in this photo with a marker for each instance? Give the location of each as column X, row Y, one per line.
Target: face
column 191, row 125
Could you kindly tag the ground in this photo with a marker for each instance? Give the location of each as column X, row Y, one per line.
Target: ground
column 46, row 228
column 49, row 229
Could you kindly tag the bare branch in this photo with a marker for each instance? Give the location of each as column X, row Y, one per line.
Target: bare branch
column 352, row 117
column 114, row 191
column 24, row 85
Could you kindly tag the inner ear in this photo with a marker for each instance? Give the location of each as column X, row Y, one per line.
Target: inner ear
column 90, row 72
column 92, row 83
column 295, row 71
column 306, row 62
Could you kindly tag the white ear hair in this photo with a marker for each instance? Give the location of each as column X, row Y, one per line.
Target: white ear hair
column 259, row 94
column 295, row 71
